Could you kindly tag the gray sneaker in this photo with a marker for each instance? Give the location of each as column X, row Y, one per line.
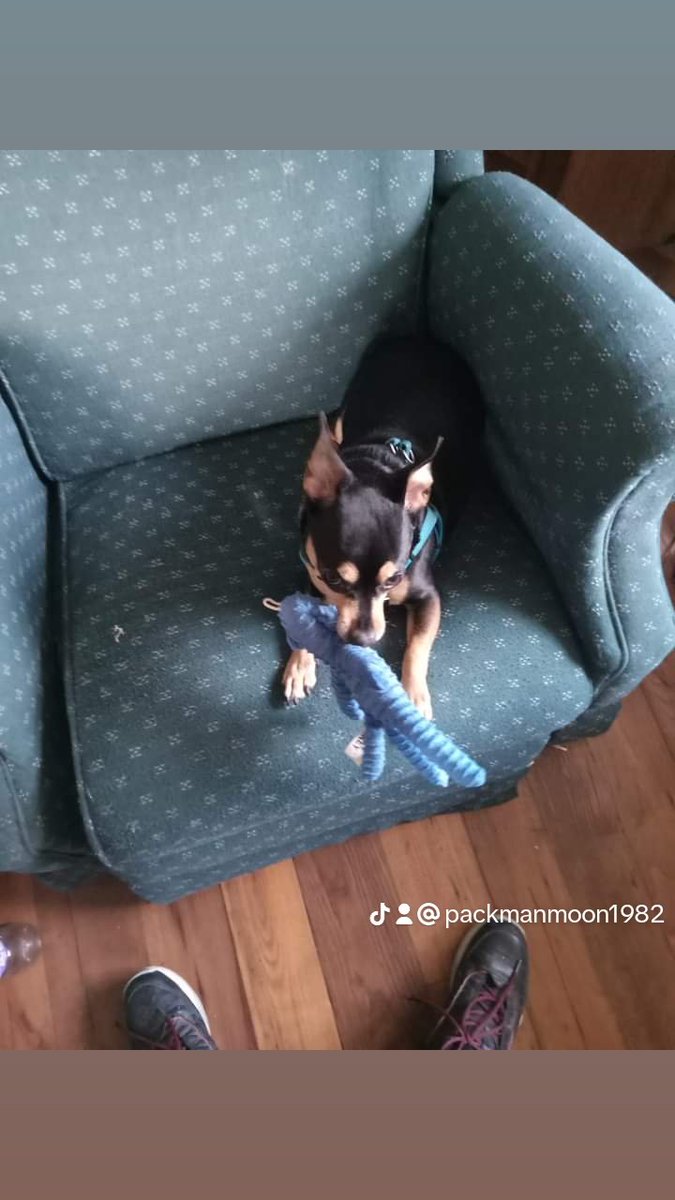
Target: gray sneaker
column 162, row 1012
column 488, row 991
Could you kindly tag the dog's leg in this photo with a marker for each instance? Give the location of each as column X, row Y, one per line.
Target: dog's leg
column 299, row 676
column 424, row 618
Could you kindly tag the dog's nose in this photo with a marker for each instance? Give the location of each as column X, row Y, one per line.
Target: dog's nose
column 362, row 637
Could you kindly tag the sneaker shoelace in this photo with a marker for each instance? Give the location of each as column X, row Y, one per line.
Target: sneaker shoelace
column 174, row 1040
column 482, row 1019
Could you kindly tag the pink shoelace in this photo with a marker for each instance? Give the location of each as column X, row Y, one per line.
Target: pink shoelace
column 173, row 1042
column 483, row 1018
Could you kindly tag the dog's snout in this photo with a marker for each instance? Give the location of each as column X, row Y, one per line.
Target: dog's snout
column 361, row 621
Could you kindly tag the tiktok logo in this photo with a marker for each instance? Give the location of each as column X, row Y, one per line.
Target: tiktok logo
column 378, row 916
column 428, row 913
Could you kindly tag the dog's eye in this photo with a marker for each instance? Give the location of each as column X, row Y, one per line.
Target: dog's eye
column 393, row 579
column 334, row 580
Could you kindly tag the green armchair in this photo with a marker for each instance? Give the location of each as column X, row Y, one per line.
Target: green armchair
column 169, row 323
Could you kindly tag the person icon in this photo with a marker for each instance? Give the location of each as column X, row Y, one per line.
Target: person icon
column 404, row 918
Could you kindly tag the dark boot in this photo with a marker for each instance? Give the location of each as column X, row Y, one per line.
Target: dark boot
column 488, row 991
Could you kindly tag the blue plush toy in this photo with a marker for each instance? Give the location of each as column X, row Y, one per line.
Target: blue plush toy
column 368, row 691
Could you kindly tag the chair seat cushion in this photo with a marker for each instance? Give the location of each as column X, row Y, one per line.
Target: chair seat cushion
column 191, row 768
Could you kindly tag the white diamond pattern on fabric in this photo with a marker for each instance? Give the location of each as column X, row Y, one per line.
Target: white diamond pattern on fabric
column 150, row 300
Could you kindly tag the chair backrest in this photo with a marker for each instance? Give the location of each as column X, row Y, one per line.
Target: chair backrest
column 148, row 300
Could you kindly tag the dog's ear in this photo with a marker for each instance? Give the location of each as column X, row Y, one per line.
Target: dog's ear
column 420, row 482
column 325, row 472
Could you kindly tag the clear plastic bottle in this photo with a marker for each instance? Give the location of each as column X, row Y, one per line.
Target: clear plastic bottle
column 20, row 945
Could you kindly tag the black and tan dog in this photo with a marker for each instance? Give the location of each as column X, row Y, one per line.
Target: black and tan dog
column 412, row 419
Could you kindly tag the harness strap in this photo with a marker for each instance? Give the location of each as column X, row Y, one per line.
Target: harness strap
column 432, row 526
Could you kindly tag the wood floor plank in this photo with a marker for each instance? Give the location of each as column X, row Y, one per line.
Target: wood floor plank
column 372, row 973
column 6, row 1013
column 434, row 860
column 622, row 795
column 278, row 960
column 659, row 690
column 592, row 806
column 28, row 1021
column 193, row 938
column 648, row 824
column 73, row 1026
column 568, row 1007
column 111, row 948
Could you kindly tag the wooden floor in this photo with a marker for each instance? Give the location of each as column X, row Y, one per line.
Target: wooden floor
column 286, row 958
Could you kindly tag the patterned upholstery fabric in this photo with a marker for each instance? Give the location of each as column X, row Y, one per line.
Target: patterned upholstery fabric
column 191, row 767
column 575, row 351
column 40, row 827
column 151, row 304
column 148, row 300
column 453, row 167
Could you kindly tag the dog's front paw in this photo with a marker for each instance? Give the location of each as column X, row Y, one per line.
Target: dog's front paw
column 299, row 676
column 420, row 695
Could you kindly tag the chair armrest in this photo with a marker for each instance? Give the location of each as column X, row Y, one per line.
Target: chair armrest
column 23, row 517
column 40, row 823
column 575, row 352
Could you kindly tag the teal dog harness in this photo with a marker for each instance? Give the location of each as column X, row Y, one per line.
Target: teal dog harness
column 432, row 526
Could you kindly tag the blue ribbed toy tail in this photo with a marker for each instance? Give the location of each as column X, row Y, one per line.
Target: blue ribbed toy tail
column 367, row 688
